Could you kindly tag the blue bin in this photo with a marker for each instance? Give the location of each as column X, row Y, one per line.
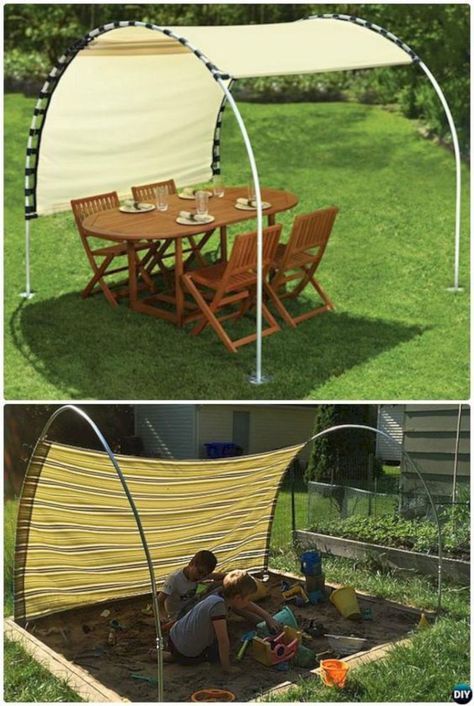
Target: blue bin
column 215, row 449
column 222, row 449
column 311, row 563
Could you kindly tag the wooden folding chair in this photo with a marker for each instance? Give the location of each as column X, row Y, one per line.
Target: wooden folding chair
column 101, row 259
column 147, row 192
column 298, row 260
column 232, row 283
column 158, row 252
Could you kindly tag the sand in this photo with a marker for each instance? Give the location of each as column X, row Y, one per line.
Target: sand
column 82, row 636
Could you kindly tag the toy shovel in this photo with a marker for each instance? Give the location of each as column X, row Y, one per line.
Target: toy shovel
column 247, row 637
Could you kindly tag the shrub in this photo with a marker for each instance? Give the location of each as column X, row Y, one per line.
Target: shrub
column 19, row 66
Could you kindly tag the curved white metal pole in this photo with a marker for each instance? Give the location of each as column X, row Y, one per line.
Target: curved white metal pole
column 151, row 571
column 27, row 294
column 457, row 154
column 258, row 378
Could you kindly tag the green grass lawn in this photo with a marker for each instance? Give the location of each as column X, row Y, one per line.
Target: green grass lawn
column 427, row 670
column 396, row 332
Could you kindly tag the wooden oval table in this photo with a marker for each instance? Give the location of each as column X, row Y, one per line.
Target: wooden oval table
column 128, row 228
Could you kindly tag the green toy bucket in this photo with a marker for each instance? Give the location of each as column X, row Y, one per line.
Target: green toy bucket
column 284, row 616
column 345, row 600
column 304, row 657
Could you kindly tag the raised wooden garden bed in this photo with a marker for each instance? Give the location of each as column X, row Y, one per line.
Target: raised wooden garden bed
column 73, row 645
column 456, row 569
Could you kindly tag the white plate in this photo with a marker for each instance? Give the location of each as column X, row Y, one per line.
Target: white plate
column 193, row 196
column 243, row 207
column 186, row 222
column 143, row 208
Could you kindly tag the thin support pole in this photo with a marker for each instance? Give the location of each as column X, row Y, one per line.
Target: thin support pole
column 456, row 454
column 257, row 378
column 27, row 294
column 457, row 155
column 293, row 508
column 151, row 571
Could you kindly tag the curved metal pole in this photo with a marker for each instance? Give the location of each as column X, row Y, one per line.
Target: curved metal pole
column 418, row 473
column 457, row 155
column 258, row 378
column 108, row 450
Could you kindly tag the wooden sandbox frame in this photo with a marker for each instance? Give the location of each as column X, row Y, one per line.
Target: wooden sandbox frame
column 91, row 689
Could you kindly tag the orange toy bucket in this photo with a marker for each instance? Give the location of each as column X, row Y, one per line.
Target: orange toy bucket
column 334, row 672
column 221, row 695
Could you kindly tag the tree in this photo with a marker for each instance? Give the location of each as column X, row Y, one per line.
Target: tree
column 342, row 455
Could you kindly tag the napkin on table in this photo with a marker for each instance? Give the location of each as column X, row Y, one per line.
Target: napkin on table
column 192, row 216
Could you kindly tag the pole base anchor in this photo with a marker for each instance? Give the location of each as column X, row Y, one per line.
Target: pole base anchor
column 27, row 295
column 262, row 380
column 455, row 289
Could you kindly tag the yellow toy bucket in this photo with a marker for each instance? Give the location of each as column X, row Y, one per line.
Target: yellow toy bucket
column 345, row 600
column 334, row 672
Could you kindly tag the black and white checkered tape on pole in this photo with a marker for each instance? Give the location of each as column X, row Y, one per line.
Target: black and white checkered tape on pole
column 216, row 144
column 373, row 27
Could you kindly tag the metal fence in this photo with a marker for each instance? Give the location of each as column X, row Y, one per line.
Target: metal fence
column 327, row 502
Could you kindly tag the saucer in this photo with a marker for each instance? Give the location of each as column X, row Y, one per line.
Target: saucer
column 191, row 197
column 142, row 208
column 244, row 207
column 204, row 220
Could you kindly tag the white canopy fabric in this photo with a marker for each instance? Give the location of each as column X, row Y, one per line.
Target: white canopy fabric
column 136, row 106
column 244, row 51
column 126, row 118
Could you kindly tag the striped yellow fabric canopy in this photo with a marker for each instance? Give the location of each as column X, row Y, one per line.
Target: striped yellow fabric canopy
column 77, row 540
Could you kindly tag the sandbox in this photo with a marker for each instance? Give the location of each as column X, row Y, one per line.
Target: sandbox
column 75, row 645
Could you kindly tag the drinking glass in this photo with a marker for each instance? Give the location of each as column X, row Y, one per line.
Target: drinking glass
column 251, row 194
column 218, row 186
column 161, row 197
column 202, row 198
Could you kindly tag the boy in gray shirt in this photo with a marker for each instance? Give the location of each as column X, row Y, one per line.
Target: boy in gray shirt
column 180, row 587
column 202, row 634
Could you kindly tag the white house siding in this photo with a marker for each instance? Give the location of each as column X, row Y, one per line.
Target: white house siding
column 167, row 430
column 430, row 433
column 390, row 420
column 430, row 439
column 271, row 426
column 215, row 424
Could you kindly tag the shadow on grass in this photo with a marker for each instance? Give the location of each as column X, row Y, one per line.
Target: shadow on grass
column 89, row 351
